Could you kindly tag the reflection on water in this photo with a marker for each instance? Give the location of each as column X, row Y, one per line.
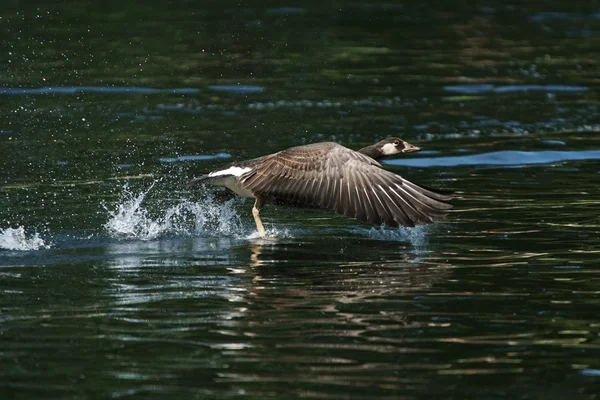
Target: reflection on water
column 74, row 90
column 254, row 314
column 507, row 158
column 117, row 281
column 487, row 88
column 236, row 88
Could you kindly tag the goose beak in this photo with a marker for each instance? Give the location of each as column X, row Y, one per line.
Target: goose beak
column 409, row 148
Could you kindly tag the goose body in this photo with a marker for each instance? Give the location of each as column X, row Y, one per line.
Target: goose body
column 331, row 176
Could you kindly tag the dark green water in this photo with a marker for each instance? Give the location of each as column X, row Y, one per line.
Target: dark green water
column 116, row 281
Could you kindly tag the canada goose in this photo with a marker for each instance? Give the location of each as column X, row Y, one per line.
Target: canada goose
column 331, row 176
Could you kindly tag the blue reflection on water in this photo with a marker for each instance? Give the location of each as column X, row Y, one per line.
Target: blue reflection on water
column 506, row 158
column 237, row 88
column 197, row 157
column 488, row 88
column 95, row 89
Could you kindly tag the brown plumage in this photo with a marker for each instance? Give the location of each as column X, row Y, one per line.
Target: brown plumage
column 333, row 177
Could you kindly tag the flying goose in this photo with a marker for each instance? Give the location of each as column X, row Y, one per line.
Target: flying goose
column 331, row 176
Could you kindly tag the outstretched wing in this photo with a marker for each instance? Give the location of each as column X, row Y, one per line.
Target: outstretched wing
column 334, row 177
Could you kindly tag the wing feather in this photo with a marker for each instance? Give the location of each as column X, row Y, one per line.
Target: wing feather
column 334, row 177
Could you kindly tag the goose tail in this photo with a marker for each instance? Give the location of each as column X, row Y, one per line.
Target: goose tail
column 198, row 181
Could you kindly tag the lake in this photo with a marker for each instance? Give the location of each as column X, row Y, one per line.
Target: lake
column 119, row 281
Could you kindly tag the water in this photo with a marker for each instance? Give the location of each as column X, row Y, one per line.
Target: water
column 17, row 239
column 117, row 281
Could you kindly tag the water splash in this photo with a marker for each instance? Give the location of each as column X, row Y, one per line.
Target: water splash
column 272, row 233
column 417, row 236
column 17, row 239
column 133, row 218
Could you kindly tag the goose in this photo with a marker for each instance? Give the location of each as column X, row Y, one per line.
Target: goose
column 331, row 176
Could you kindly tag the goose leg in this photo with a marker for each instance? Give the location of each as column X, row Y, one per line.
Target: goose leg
column 256, row 214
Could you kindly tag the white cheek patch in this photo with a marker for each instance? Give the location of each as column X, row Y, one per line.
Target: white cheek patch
column 235, row 171
column 389, row 149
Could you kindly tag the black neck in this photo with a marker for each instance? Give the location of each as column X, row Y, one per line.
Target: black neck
column 372, row 151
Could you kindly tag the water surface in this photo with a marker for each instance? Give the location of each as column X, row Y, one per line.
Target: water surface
column 117, row 281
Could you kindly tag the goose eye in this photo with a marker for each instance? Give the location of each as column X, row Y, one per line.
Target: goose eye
column 396, row 143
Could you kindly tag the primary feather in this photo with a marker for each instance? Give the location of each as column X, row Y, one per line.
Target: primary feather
column 333, row 177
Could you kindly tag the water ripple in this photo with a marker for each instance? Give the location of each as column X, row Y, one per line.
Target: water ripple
column 500, row 158
column 69, row 90
column 489, row 88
